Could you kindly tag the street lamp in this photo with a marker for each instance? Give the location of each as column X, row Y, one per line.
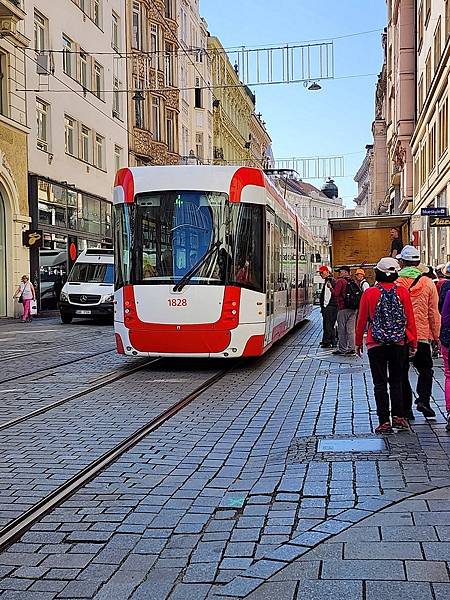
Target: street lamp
column 314, row 87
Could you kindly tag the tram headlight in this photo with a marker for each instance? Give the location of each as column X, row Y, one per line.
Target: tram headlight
column 64, row 297
column 108, row 298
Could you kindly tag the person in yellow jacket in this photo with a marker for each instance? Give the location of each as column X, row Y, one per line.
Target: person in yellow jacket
column 424, row 298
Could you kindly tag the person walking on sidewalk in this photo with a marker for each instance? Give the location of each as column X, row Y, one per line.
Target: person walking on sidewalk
column 444, row 287
column 347, row 294
column 328, row 308
column 387, row 311
column 424, row 300
column 445, row 348
column 360, row 278
column 26, row 294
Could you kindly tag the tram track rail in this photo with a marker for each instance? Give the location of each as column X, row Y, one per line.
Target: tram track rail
column 46, row 370
column 50, row 348
column 18, row 526
column 99, row 383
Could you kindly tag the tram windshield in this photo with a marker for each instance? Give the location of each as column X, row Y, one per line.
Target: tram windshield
column 189, row 237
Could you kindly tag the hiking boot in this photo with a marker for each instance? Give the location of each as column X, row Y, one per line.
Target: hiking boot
column 447, row 427
column 400, row 424
column 384, row 429
column 426, row 410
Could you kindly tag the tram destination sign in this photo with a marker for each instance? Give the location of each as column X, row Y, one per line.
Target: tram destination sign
column 439, row 221
column 433, row 211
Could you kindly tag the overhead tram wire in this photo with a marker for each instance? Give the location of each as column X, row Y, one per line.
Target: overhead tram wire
column 225, row 50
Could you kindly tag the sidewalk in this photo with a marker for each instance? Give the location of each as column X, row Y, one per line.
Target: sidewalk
column 400, row 552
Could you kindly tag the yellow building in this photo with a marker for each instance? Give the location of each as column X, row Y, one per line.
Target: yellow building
column 430, row 141
column 234, row 121
column 14, row 214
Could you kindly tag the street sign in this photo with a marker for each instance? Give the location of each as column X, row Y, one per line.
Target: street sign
column 439, row 221
column 32, row 238
column 432, row 211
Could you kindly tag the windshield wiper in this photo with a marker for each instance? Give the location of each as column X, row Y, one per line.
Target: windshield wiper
column 188, row 276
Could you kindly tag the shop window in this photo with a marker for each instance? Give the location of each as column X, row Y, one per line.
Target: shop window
column 105, row 222
column 42, row 119
column 89, row 214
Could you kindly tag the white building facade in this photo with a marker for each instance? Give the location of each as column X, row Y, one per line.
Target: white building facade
column 78, row 124
column 194, row 75
column 315, row 209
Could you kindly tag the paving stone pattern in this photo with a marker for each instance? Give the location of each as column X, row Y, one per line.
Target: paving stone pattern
column 220, row 499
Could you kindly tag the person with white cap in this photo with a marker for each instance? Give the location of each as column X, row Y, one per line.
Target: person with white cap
column 387, row 312
column 424, row 298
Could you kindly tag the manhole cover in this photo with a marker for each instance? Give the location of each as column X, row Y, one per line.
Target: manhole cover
column 352, row 445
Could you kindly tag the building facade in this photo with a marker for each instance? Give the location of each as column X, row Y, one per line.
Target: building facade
column 233, row 105
column 153, row 103
column 379, row 178
column 364, row 179
column 400, row 101
column 260, row 142
column 194, row 77
column 78, row 128
column 430, row 141
column 314, row 208
column 14, row 215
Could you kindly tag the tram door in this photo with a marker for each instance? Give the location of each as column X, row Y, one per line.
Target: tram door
column 270, row 276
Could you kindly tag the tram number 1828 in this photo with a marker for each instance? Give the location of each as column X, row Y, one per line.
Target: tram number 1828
column 176, row 302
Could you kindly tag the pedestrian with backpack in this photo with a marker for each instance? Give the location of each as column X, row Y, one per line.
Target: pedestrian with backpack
column 387, row 311
column 424, row 298
column 347, row 294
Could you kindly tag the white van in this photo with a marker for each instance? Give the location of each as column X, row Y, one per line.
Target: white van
column 89, row 290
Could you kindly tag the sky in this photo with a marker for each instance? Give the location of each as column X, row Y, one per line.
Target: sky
column 336, row 120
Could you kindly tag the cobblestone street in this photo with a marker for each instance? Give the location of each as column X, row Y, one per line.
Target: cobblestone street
column 269, row 484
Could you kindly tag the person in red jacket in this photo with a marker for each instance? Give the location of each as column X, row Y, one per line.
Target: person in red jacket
column 386, row 358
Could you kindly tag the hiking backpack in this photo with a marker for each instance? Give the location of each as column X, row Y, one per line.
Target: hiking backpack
column 353, row 295
column 389, row 321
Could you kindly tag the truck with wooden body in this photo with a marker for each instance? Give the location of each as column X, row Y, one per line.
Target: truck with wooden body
column 362, row 241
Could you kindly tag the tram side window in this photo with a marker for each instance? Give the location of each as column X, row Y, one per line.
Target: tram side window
column 248, row 255
column 121, row 245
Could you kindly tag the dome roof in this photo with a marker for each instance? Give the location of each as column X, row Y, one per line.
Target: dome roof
column 330, row 189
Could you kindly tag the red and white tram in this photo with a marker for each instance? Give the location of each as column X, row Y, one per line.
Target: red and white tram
column 209, row 262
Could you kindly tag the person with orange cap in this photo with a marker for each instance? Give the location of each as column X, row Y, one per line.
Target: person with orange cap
column 360, row 278
column 328, row 308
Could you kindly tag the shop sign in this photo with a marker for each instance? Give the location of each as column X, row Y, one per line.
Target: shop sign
column 433, row 211
column 32, row 238
column 439, row 221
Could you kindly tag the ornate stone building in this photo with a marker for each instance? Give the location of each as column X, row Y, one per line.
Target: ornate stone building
column 14, row 216
column 239, row 136
column 153, row 104
column 364, row 179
